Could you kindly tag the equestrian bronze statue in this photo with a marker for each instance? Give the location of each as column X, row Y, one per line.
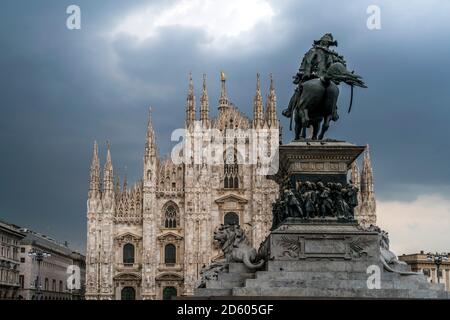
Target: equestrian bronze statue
column 314, row 102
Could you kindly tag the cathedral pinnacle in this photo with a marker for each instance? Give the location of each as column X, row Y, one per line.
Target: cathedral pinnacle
column 271, row 105
column 150, row 145
column 94, row 183
column 190, row 103
column 108, row 176
column 204, row 108
column 223, row 100
column 367, row 176
column 257, row 104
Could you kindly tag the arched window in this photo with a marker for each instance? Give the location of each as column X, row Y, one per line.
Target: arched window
column 128, row 253
column 231, row 169
column 231, row 218
column 128, row 293
column 169, row 292
column 170, row 254
column 170, row 217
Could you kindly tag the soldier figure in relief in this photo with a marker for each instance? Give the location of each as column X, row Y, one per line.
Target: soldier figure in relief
column 293, row 207
column 325, row 202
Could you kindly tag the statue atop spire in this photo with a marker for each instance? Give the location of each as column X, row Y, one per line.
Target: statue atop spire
column 223, row 100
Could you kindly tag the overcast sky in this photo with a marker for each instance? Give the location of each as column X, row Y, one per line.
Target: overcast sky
column 62, row 89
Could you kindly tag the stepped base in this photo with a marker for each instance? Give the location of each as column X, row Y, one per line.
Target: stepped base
column 318, row 260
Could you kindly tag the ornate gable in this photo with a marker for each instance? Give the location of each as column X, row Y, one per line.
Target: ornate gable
column 231, row 198
column 128, row 238
column 170, row 237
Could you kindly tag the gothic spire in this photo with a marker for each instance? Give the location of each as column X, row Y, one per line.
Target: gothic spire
column 368, row 203
column 190, row 103
column 204, row 108
column 355, row 177
column 271, row 105
column 257, row 104
column 94, row 181
column 108, row 175
column 125, row 181
column 118, row 190
column 150, row 145
column 223, row 100
column 367, row 191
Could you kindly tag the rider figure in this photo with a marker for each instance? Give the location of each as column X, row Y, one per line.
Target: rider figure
column 315, row 64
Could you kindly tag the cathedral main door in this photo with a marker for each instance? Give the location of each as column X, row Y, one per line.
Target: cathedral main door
column 128, row 293
column 169, row 292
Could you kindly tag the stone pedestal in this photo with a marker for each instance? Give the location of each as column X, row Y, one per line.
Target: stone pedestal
column 316, row 161
column 314, row 241
column 321, row 255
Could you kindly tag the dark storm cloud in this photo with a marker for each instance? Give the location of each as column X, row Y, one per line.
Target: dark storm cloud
column 62, row 89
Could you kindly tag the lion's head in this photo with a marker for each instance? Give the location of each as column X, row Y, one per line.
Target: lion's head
column 229, row 236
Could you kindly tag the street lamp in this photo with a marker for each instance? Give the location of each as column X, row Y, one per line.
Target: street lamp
column 437, row 258
column 39, row 256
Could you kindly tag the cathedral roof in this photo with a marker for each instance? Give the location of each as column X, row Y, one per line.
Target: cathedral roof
column 231, row 118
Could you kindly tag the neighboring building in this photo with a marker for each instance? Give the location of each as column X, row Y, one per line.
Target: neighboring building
column 80, row 261
column 419, row 263
column 365, row 212
column 9, row 260
column 53, row 270
column 151, row 241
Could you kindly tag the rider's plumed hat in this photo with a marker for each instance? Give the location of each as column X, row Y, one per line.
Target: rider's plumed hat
column 328, row 38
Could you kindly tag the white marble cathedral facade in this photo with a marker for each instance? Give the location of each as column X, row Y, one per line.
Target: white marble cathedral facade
column 151, row 241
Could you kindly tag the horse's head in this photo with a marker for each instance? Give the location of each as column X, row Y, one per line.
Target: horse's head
column 337, row 72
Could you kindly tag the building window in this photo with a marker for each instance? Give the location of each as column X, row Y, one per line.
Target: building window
column 54, row 285
column 231, row 218
column 128, row 253
column 231, row 170
column 21, row 281
column 169, row 292
column 22, row 260
column 45, row 284
column 61, row 288
column 22, row 250
column 128, row 293
column 170, row 217
column 170, row 253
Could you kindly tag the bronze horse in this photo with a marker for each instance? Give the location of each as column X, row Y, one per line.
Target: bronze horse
column 317, row 102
